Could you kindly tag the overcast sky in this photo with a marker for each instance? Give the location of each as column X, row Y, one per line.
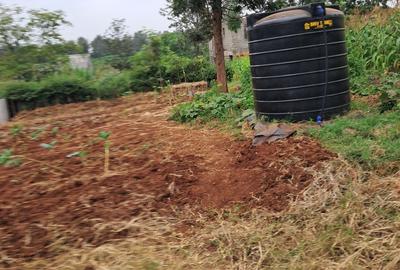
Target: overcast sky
column 92, row 17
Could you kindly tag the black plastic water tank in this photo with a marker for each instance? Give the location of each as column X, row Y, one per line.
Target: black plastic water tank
column 298, row 62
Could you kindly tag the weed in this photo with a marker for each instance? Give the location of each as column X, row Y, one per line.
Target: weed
column 105, row 135
column 35, row 134
column 16, row 130
column 54, row 131
column 7, row 159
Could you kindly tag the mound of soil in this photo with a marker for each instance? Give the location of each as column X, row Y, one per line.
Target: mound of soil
column 55, row 200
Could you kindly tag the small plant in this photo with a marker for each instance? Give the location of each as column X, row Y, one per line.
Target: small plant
column 105, row 135
column 54, row 131
column 16, row 130
column 213, row 105
column 7, row 159
column 35, row 134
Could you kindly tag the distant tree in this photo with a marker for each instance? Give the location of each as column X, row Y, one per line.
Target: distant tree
column 70, row 47
column 140, row 38
column 83, row 44
column 45, row 25
column 31, row 44
column 13, row 28
column 202, row 19
column 119, row 42
column 20, row 27
column 99, row 47
column 209, row 14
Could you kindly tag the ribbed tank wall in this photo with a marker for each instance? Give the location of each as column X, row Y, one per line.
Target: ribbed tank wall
column 299, row 69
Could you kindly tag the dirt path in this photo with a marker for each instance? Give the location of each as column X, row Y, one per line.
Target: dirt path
column 51, row 201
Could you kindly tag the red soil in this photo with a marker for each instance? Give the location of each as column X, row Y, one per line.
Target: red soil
column 155, row 164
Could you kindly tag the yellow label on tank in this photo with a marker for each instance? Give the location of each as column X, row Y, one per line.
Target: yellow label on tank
column 318, row 24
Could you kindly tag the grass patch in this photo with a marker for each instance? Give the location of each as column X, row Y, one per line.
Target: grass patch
column 370, row 139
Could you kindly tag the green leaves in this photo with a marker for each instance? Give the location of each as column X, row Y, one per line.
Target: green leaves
column 216, row 105
column 104, row 135
column 7, row 159
column 18, row 26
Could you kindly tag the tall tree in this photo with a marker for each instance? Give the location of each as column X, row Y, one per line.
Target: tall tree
column 118, row 40
column 30, row 43
column 45, row 25
column 99, row 47
column 13, row 30
column 209, row 14
column 20, row 27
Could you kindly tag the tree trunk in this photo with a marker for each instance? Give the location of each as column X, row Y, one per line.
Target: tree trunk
column 219, row 48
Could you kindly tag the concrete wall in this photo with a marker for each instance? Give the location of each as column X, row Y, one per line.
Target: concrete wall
column 4, row 115
column 80, row 61
column 235, row 43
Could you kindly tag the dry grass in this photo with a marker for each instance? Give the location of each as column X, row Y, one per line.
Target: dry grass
column 379, row 16
column 345, row 220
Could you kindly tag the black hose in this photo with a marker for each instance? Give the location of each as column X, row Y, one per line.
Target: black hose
column 326, row 68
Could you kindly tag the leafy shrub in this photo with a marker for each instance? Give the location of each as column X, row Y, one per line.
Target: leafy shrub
column 216, row 105
column 54, row 90
column 112, row 86
column 200, row 69
column 66, row 89
column 145, row 72
column 20, row 90
column 213, row 105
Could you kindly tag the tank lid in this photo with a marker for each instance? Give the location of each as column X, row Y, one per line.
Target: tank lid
column 316, row 10
column 292, row 14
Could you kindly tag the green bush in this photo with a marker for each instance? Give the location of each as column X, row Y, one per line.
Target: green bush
column 213, row 105
column 66, row 89
column 113, row 85
column 216, row 105
column 200, row 69
column 20, row 90
column 57, row 89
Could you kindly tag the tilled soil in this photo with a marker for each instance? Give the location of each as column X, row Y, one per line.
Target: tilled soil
column 51, row 201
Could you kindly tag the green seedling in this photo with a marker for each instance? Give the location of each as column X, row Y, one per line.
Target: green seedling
column 35, row 135
column 8, row 160
column 66, row 137
column 105, row 135
column 54, row 131
column 16, row 130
